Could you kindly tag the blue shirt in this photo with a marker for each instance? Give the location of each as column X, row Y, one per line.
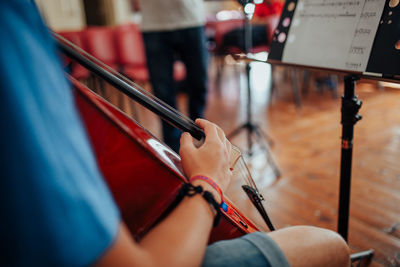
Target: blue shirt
column 55, row 209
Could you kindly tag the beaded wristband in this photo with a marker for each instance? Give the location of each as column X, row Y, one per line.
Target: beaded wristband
column 190, row 190
column 210, row 182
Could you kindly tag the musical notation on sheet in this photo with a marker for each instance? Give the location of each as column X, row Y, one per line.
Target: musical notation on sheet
column 336, row 34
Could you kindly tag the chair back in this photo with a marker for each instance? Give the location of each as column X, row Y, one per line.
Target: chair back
column 76, row 37
column 130, row 46
column 224, row 26
column 100, row 43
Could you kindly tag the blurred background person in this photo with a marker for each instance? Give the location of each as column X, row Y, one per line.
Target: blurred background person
column 175, row 29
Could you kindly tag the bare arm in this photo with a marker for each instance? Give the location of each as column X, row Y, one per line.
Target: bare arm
column 181, row 239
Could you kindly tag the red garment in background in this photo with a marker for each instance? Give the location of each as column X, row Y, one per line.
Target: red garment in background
column 266, row 9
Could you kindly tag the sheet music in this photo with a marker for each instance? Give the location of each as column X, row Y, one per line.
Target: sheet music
column 336, row 34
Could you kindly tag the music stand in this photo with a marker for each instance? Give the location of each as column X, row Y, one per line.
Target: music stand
column 249, row 126
column 366, row 49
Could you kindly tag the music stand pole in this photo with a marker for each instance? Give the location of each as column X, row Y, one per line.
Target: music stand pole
column 249, row 125
column 248, row 41
column 350, row 106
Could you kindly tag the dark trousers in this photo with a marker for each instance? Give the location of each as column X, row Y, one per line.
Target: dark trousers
column 162, row 49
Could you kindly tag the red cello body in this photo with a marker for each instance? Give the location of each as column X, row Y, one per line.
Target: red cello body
column 142, row 173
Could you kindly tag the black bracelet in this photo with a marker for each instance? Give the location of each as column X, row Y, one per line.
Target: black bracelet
column 190, row 190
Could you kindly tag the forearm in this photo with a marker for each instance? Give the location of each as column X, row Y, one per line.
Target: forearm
column 180, row 239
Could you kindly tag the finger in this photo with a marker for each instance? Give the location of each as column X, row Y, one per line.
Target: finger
column 213, row 128
column 228, row 146
column 186, row 143
column 221, row 134
column 203, row 123
column 209, row 128
column 222, row 140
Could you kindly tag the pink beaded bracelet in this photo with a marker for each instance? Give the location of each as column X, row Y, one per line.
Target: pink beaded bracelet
column 209, row 181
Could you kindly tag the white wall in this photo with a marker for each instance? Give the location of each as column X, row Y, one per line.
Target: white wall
column 63, row 15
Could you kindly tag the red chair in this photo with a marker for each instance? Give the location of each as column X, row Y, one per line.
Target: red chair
column 131, row 52
column 77, row 71
column 100, row 43
column 132, row 57
column 221, row 27
column 271, row 24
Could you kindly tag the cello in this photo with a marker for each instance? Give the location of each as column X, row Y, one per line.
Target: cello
column 143, row 174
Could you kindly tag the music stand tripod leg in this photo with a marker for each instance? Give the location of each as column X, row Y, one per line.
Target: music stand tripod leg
column 262, row 135
column 270, row 159
column 350, row 107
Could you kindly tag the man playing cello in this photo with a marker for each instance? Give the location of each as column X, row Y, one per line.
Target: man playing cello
column 56, row 209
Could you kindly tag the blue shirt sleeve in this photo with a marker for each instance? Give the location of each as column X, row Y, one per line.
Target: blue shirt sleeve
column 55, row 208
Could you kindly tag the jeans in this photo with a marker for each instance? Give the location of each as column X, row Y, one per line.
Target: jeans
column 162, row 49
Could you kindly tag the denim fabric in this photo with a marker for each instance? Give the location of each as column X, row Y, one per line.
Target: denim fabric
column 252, row 250
column 162, row 49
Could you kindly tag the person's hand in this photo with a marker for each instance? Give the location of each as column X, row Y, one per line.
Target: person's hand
column 211, row 159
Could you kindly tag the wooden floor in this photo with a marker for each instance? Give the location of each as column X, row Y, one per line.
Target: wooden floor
column 306, row 150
